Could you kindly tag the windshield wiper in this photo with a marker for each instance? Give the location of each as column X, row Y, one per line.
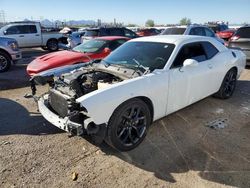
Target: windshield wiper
column 106, row 64
column 146, row 69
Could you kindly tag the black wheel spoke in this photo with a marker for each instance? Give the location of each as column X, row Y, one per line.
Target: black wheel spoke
column 130, row 136
column 122, row 132
column 125, row 137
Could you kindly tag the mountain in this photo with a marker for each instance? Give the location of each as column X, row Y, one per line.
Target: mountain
column 49, row 23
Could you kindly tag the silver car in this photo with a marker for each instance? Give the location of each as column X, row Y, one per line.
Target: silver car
column 193, row 29
column 9, row 53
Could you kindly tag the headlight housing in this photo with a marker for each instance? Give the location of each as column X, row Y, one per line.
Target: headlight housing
column 13, row 45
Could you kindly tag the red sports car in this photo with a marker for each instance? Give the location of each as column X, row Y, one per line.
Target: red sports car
column 97, row 48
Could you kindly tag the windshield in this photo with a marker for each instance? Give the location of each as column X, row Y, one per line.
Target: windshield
column 174, row 31
column 90, row 46
column 151, row 55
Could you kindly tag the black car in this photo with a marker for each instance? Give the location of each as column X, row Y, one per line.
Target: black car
column 218, row 27
column 109, row 31
column 241, row 39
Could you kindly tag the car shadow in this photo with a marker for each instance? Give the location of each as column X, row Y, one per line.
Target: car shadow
column 15, row 119
column 16, row 76
column 182, row 142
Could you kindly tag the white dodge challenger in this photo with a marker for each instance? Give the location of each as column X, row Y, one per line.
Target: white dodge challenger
column 145, row 79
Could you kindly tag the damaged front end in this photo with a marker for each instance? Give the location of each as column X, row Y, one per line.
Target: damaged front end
column 59, row 105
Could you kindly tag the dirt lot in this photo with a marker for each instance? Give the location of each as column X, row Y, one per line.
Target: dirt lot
column 179, row 150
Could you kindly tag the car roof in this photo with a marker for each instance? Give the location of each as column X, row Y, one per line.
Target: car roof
column 174, row 39
column 112, row 38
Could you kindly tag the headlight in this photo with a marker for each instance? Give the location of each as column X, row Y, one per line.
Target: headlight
column 13, row 45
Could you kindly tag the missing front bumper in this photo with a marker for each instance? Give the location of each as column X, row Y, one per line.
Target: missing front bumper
column 99, row 131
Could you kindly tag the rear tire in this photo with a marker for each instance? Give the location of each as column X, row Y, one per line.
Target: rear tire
column 228, row 85
column 5, row 62
column 52, row 45
column 128, row 125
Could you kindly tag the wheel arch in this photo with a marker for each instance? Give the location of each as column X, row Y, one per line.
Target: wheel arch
column 7, row 53
column 51, row 40
column 144, row 99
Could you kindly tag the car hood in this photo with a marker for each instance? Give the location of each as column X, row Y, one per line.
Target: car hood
column 56, row 59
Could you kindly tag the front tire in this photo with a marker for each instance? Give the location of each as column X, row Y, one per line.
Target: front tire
column 228, row 85
column 128, row 125
column 52, row 45
column 5, row 62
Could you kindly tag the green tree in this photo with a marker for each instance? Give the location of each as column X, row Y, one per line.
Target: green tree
column 132, row 25
column 150, row 23
column 185, row 21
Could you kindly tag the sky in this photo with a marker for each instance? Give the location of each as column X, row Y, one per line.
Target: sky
column 129, row 11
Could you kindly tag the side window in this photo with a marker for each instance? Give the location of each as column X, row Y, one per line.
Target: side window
column 210, row 49
column 115, row 44
column 197, row 31
column 189, row 51
column 13, row 30
column 116, row 32
column 209, row 33
column 21, row 29
column 104, row 32
column 129, row 33
column 33, row 29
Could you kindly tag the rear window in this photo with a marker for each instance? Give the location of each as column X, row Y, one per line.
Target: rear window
column 91, row 33
column 174, row 31
column 243, row 32
column 210, row 49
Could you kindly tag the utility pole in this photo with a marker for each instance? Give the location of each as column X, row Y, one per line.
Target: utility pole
column 2, row 16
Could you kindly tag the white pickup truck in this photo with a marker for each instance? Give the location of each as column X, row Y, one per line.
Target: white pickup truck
column 29, row 34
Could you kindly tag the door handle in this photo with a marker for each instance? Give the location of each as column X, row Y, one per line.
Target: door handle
column 37, row 35
column 210, row 66
column 21, row 35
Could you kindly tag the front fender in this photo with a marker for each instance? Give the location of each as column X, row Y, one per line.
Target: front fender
column 101, row 104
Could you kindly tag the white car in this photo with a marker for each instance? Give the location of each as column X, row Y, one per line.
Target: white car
column 29, row 34
column 145, row 79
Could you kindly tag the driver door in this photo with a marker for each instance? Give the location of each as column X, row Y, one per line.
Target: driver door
column 190, row 83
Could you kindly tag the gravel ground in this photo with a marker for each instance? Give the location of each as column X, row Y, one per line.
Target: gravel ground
column 180, row 150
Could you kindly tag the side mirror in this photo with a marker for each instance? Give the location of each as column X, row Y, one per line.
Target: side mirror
column 106, row 50
column 190, row 63
column 5, row 32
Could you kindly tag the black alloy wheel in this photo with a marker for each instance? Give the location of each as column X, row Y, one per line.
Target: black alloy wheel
column 128, row 125
column 228, row 85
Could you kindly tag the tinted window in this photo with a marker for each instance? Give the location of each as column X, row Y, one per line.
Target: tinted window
column 214, row 28
column 210, row 49
column 22, row 29
column 243, row 32
column 129, row 33
column 197, row 31
column 12, row 31
column 91, row 33
column 115, row 44
column 209, row 33
column 174, row 31
column 190, row 51
column 116, row 32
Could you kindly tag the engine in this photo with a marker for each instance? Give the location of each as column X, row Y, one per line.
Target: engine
column 78, row 84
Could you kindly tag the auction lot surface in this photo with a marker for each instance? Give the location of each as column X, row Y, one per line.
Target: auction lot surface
column 180, row 150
